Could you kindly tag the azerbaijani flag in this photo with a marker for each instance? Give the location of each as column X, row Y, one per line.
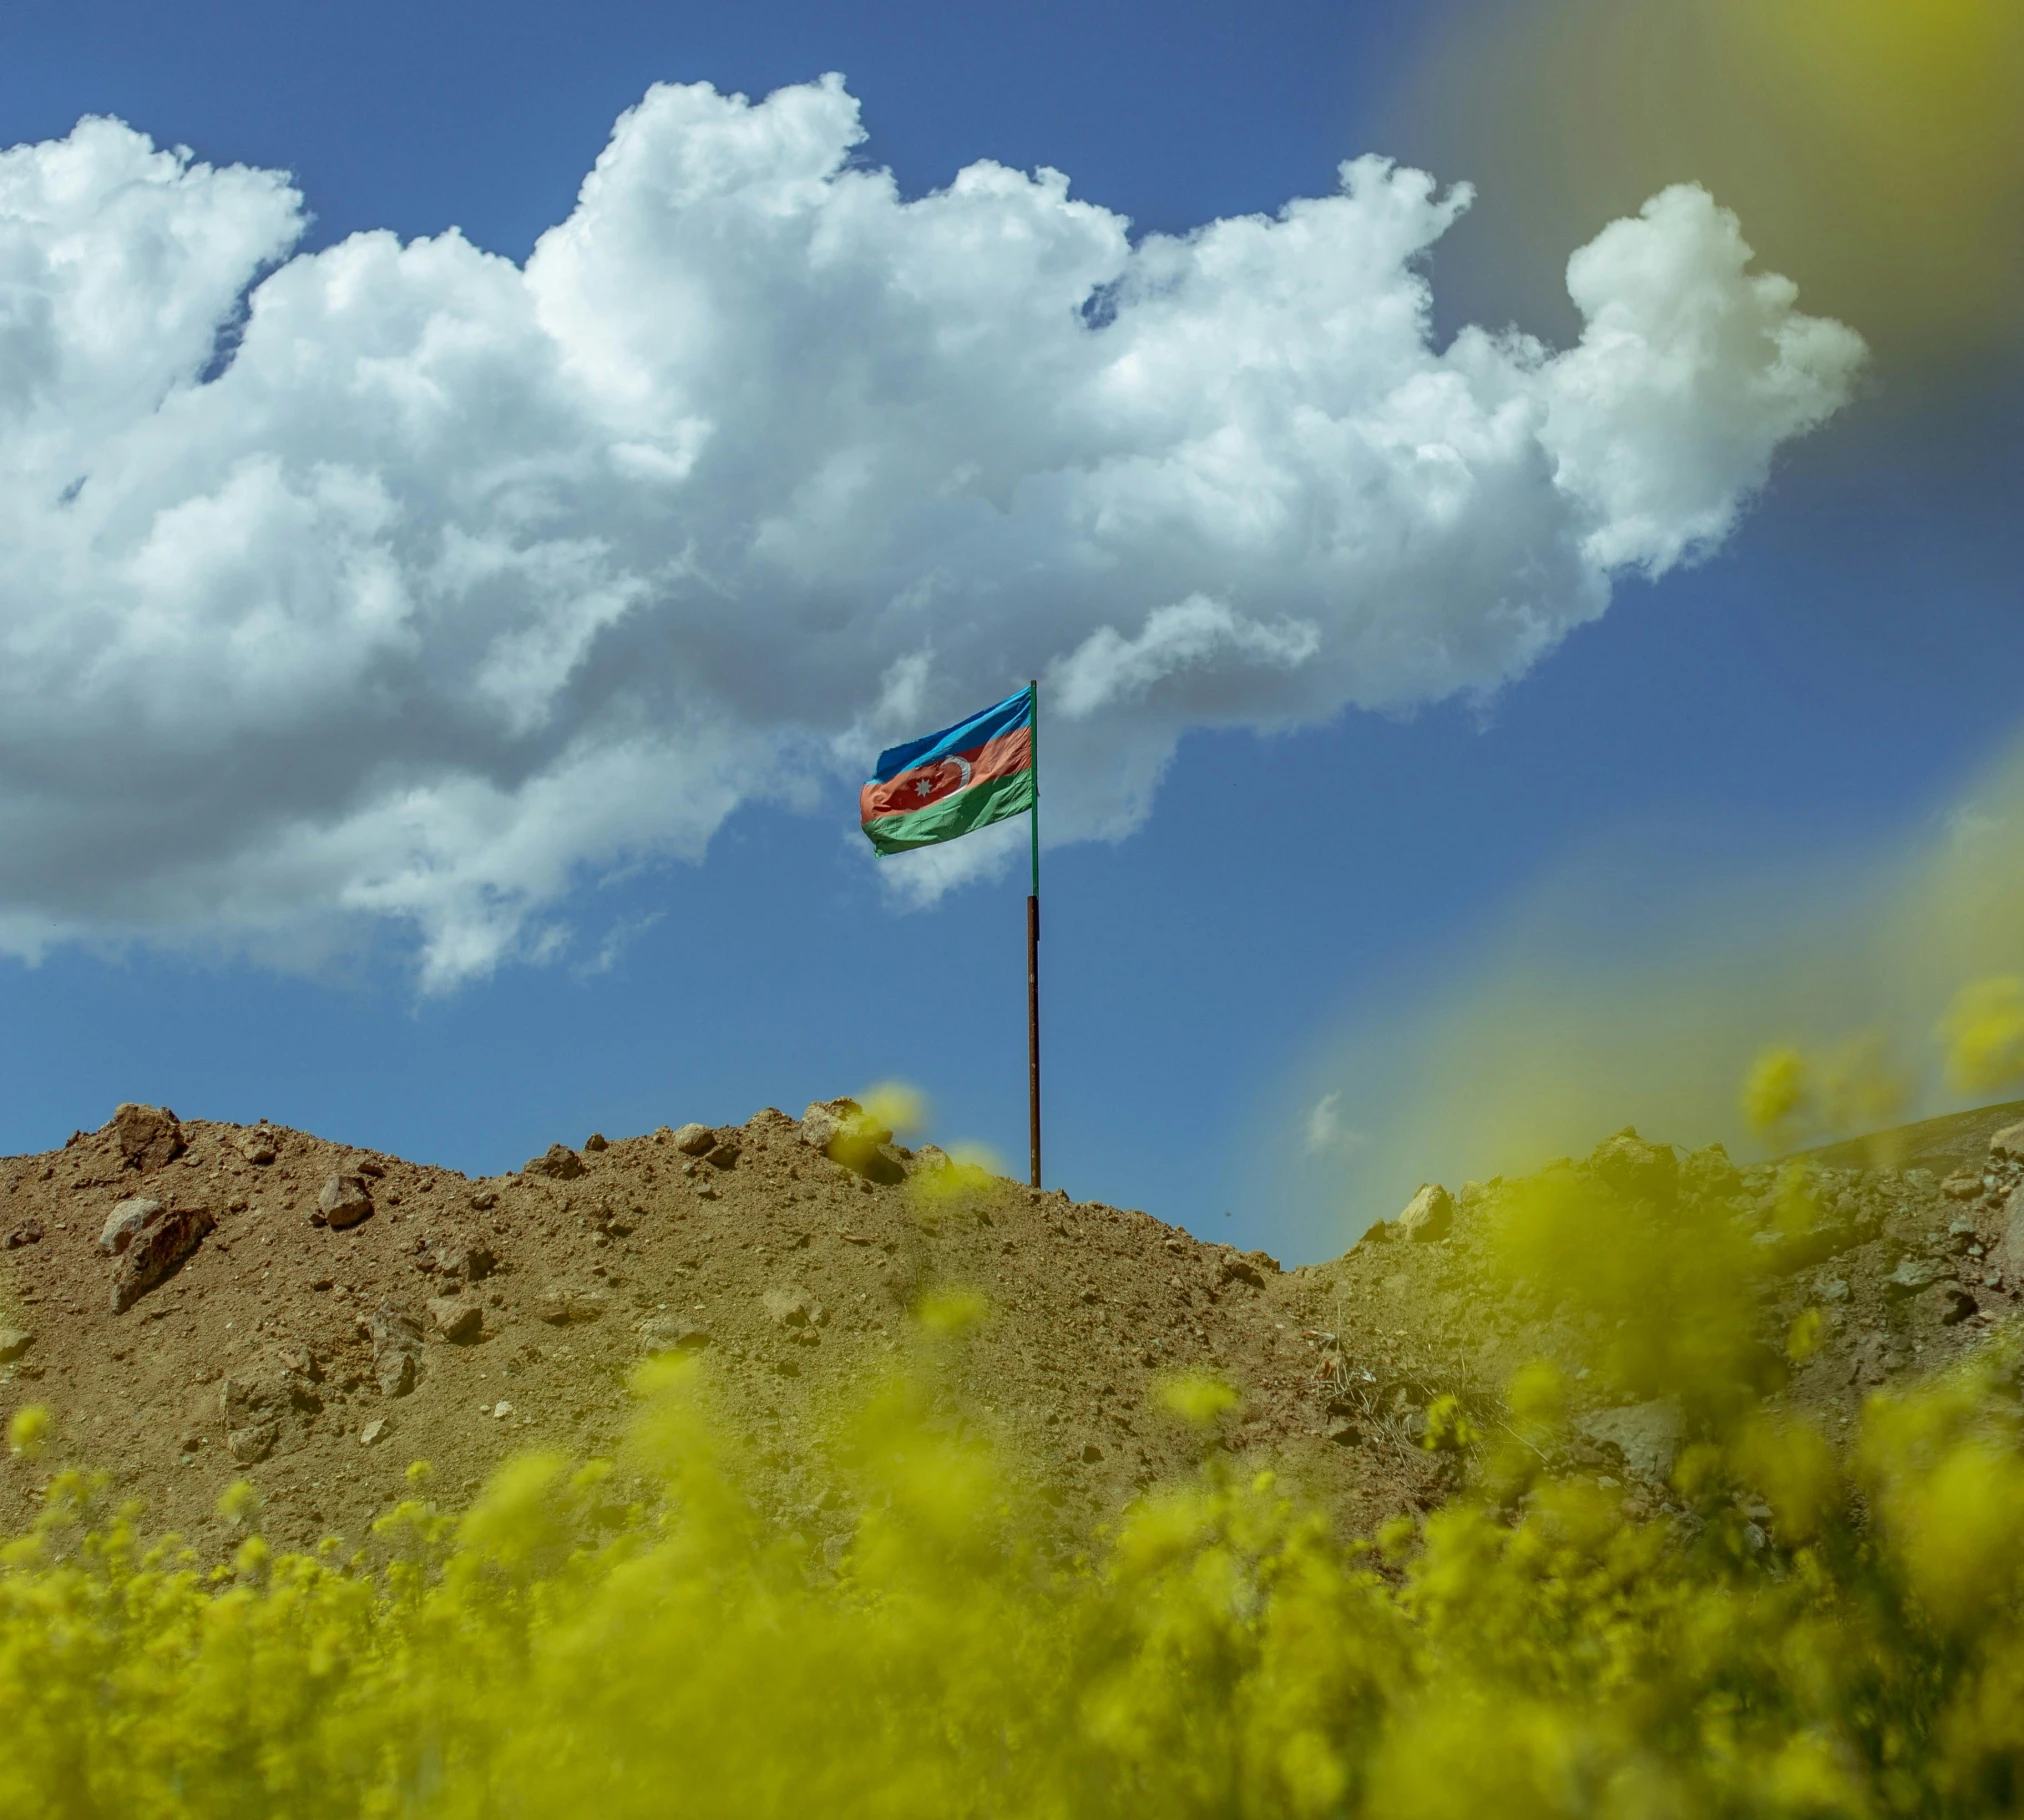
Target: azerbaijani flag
column 966, row 777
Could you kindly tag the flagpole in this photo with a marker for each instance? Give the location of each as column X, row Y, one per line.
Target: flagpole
column 1033, row 952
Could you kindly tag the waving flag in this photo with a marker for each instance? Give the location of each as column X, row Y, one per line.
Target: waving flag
column 966, row 777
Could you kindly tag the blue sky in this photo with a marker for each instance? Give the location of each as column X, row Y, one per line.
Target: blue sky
column 1824, row 683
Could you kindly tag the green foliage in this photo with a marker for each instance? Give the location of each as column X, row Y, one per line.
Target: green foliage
column 1810, row 1628
column 1543, row 1654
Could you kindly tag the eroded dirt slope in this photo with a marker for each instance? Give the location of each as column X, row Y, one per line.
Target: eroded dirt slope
column 338, row 1314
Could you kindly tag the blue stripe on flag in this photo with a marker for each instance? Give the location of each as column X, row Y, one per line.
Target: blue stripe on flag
column 1008, row 716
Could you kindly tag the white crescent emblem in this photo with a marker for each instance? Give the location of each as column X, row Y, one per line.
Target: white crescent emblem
column 964, row 782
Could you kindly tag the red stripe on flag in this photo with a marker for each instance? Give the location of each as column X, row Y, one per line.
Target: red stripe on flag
column 926, row 784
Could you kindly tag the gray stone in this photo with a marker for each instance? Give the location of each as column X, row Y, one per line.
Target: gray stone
column 373, row 1432
column 1635, row 1169
column 249, row 1446
column 148, row 1136
column 268, row 1401
column 1647, row 1435
column 596, row 1141
column 155, row 1250
column 344, row 1200
column 563, row 1305
column 1429, row 1215
column 694, row 1140
column 1910, row 1277
column 1708, row 1174
column 125, row 1221
column 257, row 1145
column 558, row 1162
column 843, row 1130
column 2009, row 1143
column 396, row 1348
column 723, row 1154
column 671, row 1333
column 2006, row 1256
column 14, row 1341
column 792, row 1306
column 455, row 1319
column 461, row 1256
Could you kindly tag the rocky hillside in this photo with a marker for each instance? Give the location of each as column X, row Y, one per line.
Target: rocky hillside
column 1893, row 1270
column 199, row 1303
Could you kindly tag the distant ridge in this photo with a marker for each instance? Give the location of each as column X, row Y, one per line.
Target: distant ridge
column 1955, row 1140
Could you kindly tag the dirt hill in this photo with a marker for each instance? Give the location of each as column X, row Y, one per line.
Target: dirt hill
column 324, row 1316
column 199, row 1303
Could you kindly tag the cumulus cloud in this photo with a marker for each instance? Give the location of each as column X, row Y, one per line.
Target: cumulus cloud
column 397, row 583
column 1327, row 1133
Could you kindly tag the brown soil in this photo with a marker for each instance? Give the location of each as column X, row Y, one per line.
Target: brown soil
column 255, row 1358
column 1908, row 1271
column 273, row 1350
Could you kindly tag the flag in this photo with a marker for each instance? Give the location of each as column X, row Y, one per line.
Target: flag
column 966, row 777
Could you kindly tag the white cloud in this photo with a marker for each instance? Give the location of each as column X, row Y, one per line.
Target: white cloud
column 1326, row 1131
column 463, row 582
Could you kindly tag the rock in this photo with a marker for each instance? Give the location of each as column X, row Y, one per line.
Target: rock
column 1636, row 1170
column 793, row 1306
column 344, row 1200
column 155, row 1250
column 1910, row 1277
column 1962, row 1185
column 461, row 1256
column 1647, row 1435
column 1091, row 1454
column 125, row 1221
column 723, row 1154
column 148, row 1136
column 1429, row 1215
column 558, row 1162
column 671, row 1333
column 483, row 1200
column 1707, row 1174
column 2008, row 1144
column 1960, row 1305
column 564, row 1306
column 457, row 1320
column 694, row 1140
column 14, row 1341
column 257, row 1145
column 249, row 1446
column 595, row 1141
column 2006, row 1256
column 396, row 1348
column 29, row 1232
column 843, row 1131
column 1240, row 1270
column 374, row 1432
column 268, row 1401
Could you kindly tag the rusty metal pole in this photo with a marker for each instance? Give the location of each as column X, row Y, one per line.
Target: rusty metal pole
column 1033, row 953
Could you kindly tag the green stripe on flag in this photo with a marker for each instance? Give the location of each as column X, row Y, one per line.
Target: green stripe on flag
column 963, row 813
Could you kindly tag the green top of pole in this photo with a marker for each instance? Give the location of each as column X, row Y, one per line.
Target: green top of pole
column 1033, row 817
